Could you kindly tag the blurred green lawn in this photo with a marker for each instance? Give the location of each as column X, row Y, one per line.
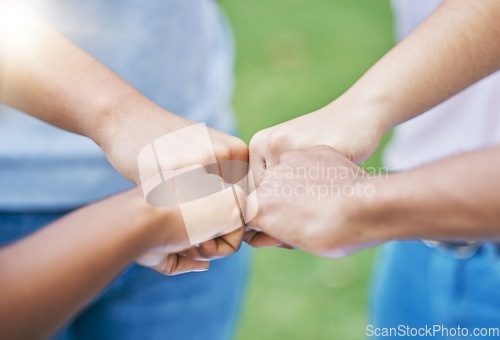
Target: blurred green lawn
column 294, row 56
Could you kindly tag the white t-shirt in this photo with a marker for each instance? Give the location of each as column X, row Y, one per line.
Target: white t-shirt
column 468, row 121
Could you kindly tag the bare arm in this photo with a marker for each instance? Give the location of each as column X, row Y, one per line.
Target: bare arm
column 47, row 76
column 343, row 210
column 454, row 199
column 47, row 277
column 456, row 46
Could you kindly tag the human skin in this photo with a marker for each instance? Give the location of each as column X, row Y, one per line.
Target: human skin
column 454, row 48
column 453, row 199
column 50, row 275
column 48, row 77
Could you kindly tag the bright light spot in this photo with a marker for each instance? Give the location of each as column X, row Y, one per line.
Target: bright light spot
column 15, row 25
column 12, row 17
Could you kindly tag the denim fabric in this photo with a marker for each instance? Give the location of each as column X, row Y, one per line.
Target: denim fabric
column 419, row 286
column 142, row 304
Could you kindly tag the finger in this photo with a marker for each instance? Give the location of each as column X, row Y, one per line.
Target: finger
column 287, row 246
column 175, row 264
column 192, row 253
column 258, row 153
column 267, row 228
column 251, row 207
column 228, row 147
column 219, row 247
column 239, row 150
column 216, row 248
column 258, row 239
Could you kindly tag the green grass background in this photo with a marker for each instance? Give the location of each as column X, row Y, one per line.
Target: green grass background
column 294, row 56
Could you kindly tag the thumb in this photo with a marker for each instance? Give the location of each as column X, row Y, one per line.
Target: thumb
column 174, row 264
column 258, row 154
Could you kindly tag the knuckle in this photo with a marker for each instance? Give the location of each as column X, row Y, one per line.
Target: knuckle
column 237, row 247
column 222, row 152
column 258, row 139
column 288, row 156
column 278, row 140
column 239, row 150
column 167, row 266
column 229, row 250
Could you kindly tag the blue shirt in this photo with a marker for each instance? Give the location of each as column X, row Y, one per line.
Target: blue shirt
column 178, row 53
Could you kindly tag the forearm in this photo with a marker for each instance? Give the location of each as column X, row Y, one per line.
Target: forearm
column 45, row 75
column 456, row 46
column 47, row 277
column 454, row 199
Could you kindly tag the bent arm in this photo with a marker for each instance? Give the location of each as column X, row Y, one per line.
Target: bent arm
column 49, row 276
column 47, row 76
column 455, row 47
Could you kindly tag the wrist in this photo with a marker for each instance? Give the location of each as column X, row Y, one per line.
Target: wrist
column 158, row 225
column 378, row 213
column 372, row 105
column 147, row 226
column 120, row 112
column 354, row 118
column 163, row 227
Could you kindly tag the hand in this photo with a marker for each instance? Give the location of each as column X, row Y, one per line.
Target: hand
column 310, row 199
column 136, row 125
column 125, row 133
column 351, row 129
column 172, row 253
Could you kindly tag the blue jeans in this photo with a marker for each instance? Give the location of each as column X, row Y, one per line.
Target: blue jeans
column 418, row 286
column 142, row 304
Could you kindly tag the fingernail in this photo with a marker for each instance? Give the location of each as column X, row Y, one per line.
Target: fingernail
column 205, row 269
